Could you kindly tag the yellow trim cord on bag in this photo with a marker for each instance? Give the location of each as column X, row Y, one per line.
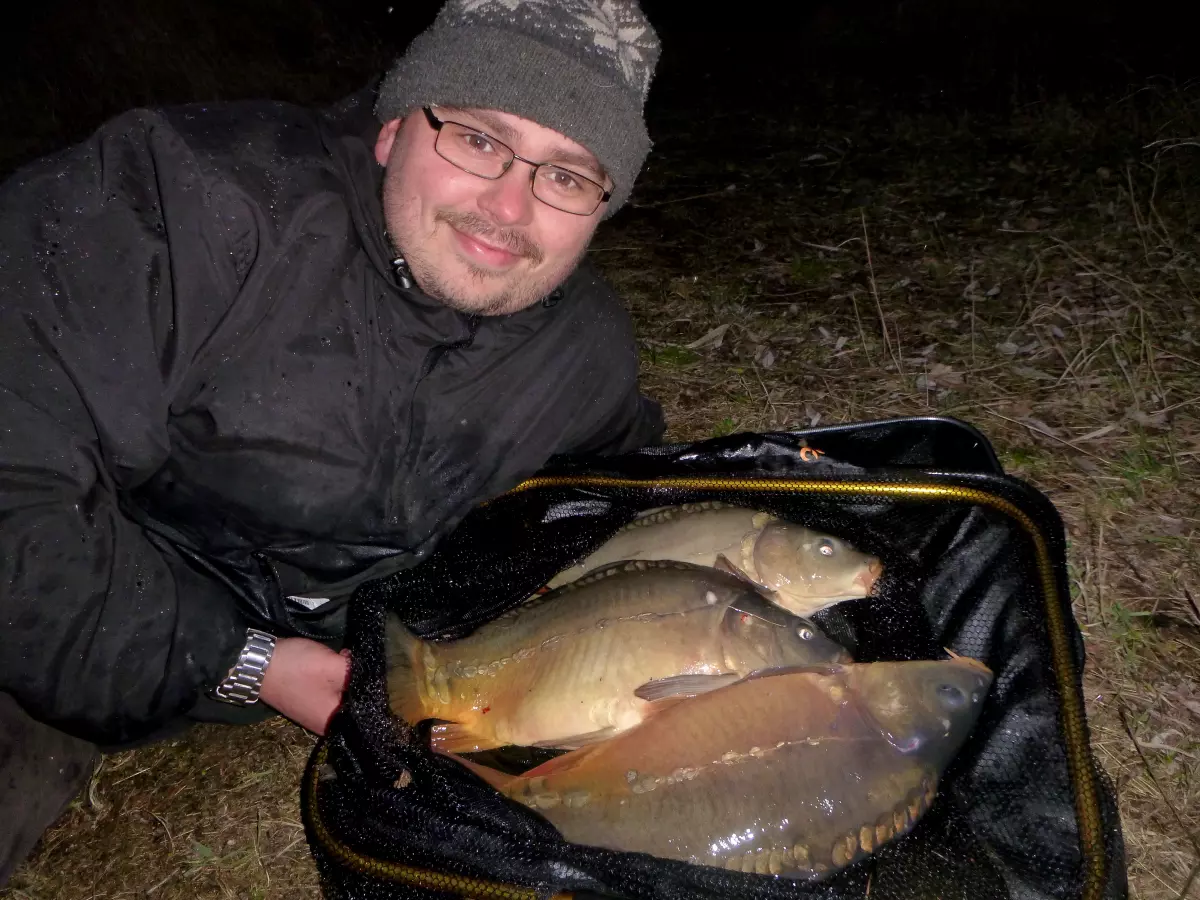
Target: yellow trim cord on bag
column 414, row 876
column 1083, row 777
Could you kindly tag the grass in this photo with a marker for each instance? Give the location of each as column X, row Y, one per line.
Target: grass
column 1033, row 270
column 1051, row 303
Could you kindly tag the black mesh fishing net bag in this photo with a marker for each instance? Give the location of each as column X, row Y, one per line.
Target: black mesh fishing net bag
column 974, row 562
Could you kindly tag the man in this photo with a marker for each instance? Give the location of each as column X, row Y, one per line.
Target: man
column 251, row 356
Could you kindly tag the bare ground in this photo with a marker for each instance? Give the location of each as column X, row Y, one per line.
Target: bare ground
column 1034, row 273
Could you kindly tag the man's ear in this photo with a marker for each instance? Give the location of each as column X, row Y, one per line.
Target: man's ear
column 383, row 143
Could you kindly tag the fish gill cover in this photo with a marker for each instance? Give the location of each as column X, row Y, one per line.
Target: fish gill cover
column 972, row 563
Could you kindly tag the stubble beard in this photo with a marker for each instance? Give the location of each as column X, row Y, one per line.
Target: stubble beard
column 524, row 291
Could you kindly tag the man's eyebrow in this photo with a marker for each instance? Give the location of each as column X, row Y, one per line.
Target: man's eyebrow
column 585, row 161
column 558, row 156
column 495, row 127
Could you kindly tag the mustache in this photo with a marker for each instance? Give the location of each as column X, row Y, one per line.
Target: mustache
column 511, row 239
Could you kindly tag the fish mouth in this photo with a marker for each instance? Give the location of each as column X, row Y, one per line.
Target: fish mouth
column 868, row 576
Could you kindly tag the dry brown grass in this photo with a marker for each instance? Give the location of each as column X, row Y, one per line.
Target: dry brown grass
column 1035, row 274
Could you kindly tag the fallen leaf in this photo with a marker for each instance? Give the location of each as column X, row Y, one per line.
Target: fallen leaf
column 1030, row 372
column 712, row 340
column 939, row 375
column 1149, row 420
column 1038, row 425
column 1098, row 433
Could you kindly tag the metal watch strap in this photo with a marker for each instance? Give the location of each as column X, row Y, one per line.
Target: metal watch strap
column 244, row 681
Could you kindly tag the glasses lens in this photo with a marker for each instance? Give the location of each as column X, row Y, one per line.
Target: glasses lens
column 566, row 190
column 483, row 155
column 472, row 151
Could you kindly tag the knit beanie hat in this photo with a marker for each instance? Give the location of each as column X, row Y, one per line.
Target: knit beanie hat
column 579, row 67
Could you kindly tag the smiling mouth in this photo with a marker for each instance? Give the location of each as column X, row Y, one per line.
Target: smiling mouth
column 480, row 251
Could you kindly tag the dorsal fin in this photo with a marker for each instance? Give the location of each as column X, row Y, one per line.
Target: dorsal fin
column 621, row 566
column 672, row 514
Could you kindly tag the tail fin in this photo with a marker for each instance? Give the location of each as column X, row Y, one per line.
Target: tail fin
column 403, row 671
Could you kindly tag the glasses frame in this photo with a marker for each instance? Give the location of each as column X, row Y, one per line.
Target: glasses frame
column 436, row 124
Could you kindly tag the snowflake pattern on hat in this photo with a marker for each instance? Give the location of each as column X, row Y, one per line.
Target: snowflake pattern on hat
column 511, row 5
column 621, row 30
column 616, row 30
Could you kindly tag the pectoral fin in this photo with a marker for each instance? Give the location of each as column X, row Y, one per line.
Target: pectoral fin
column 679, row 686
column 723, row 564
column 450, row 737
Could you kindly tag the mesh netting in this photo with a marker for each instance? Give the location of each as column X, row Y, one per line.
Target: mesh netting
column 974, row 562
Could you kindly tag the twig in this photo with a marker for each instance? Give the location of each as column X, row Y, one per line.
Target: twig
column 728, row 189
column 1137, row 215
column 167, row 829
column 862, row 335
column 131, row 775
column 1169, row 355
column 828, row 249
column 1036, row 430
column 1187, row 885
column 887, row 338
column 1171, row 144
column 775, row 423
column 1103, row 566
column 1191, row 838
column 276, row 855
column 974, row 296
column 1192, row 603
column 153, row 888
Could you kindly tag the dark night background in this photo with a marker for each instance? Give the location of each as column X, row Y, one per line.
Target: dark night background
column 854, row 209
column 69, row 64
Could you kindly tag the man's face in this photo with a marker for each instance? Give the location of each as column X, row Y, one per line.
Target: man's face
column 478, row 245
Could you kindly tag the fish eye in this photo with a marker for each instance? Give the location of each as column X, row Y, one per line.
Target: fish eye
column 805, row 633
column 951, row 697
column 825, row 548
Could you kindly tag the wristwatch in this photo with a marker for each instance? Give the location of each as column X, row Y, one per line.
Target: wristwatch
column 244, row 681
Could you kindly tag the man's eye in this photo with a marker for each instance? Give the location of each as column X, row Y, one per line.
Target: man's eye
column 562, row 180
column 477, row 143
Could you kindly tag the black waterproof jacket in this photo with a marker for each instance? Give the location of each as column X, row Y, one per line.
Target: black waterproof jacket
column 219, row 408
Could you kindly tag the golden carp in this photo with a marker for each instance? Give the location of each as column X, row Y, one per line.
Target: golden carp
column 804, row 570
column 792, row 773
column 589, row 660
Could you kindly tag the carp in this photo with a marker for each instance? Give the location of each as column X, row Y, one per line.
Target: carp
column 589, row 660
column 796, row 772
column 801, row 569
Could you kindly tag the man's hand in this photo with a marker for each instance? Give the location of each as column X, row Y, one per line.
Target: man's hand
column 304, row 681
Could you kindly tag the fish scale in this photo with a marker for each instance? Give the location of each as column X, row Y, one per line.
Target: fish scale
column 562, row 671
column 799, row 772
column 803, row 570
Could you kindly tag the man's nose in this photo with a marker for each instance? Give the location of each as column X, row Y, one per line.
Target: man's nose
column 509, row 199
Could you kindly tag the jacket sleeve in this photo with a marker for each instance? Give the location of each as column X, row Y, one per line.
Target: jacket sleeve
column 636, row 422
column 612, row 415
column 105, row 631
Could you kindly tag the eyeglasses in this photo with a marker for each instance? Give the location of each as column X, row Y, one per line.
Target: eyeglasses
column 481, row 154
